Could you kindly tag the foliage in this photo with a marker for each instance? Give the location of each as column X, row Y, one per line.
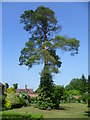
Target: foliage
column 34, row 100
column 57, row 95
column 73, row 92
column 6, row 85
column 15, row 86
column 85, row 97
column 88, row 90
column 22, row 102
column 75, row 84
column 10, row 90
column 42, row 25
column 25, row 98
column 78, row 84
column 8, row 104
column 84, row 85
column 37, row 90
column 46, row 90
column 64, row 97
column 14, row 100
column 23, row 94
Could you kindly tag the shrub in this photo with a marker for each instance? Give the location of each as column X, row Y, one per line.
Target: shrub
column 57, row 95
column 73, row 92
column 23, row 94
column 29, row 99
column 22, row 101
column 14, row 100
column 85, row 97
column 15, row 86
column 25, row 98
column 10, row 90
column 34, row 100
column 8, row 104
column 6, row 85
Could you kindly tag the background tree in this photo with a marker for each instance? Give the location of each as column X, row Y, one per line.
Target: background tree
column 42, row 45
column 75, row 84
column 10, row 90
column 6, row 85
column 79, row 84
column 15, row 86
column 84, row 85
column 89, row 93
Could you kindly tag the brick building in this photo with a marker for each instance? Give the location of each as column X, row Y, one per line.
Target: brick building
column 29, row 92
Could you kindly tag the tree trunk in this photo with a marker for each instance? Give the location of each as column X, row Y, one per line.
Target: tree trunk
column 46, row 61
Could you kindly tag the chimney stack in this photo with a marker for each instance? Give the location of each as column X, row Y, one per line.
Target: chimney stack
column 25, row 88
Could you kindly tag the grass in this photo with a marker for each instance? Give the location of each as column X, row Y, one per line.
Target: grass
column 68, row 110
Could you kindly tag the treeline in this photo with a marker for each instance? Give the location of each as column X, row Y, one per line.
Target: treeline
column 80, row 84
column 75, row 91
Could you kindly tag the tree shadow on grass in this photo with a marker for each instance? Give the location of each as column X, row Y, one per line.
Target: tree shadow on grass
column 87, row 113
column 63, row 108
column 60, row 108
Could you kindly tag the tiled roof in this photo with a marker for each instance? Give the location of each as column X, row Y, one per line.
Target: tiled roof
column 19, row 90
column 33, row 95
column 29, row 91
column 76, row 97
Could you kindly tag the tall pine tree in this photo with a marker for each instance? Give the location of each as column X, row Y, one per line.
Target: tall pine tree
column 43, row 43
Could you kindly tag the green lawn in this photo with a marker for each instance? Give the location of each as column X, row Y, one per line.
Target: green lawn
column 70, row 110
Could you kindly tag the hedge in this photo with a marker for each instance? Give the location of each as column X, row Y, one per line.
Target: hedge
column 16, row 116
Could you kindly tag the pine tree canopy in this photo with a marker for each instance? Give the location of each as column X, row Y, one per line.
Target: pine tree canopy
column 43, row 27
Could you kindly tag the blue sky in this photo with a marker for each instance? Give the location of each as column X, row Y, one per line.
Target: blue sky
column 73, row 17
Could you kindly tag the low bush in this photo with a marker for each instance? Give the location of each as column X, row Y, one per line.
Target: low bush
column 22, row 101
column 8, row 104
column 85, row 97
column 45, row 105
column 13, row 100
column 34, row 100
column 25, row 98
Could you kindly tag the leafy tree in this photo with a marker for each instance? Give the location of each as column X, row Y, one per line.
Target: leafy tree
column 6, row 85
column 37, row 90
column 15, row 86
column 75, row 84
column 71, row 96
column 73, row 92
column 83, row 85
column 43, row 43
